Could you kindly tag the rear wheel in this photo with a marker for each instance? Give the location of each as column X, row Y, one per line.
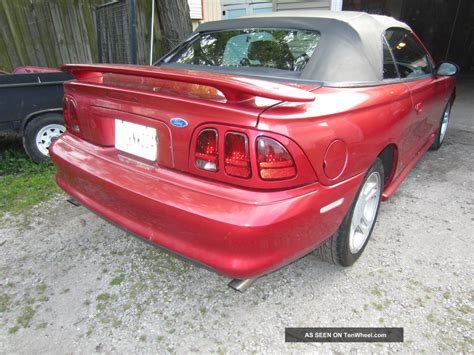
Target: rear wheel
column 443, row 127
column 350, row 240
column 40, row 132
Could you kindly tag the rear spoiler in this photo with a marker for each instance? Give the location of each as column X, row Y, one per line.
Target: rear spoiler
column 234, row 88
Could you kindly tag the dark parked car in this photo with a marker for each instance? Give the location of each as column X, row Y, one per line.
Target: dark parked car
column 31, row 104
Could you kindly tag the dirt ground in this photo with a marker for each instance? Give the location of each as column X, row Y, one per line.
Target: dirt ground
column 73, row 283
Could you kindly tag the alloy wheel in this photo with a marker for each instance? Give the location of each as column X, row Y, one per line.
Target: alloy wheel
column 365, row 212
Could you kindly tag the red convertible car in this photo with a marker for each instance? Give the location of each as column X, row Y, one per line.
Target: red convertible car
column 257, row 140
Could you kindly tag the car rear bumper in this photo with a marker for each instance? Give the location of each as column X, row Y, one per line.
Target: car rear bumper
column 236, row 232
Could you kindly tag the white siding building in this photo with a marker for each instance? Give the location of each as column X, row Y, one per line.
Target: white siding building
column 285, row 5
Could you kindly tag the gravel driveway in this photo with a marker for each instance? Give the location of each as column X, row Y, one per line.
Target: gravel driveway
column 71, row 282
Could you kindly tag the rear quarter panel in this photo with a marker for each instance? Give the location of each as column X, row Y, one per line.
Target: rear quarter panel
column 366, row 119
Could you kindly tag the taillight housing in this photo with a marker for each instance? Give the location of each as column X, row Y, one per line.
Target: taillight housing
column 70, row 115
column 249, row 158
column 207, row 151
column 237, row 158
column 274, row 160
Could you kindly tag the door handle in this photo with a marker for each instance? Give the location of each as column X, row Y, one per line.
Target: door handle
column 419, row 107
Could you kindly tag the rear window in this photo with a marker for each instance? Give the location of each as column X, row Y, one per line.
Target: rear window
column 282, row 49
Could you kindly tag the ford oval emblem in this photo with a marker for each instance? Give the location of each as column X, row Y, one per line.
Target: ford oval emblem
column 179, row 122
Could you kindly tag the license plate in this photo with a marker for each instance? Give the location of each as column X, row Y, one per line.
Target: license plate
column 136, row 139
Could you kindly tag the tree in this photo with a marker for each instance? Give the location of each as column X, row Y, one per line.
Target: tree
column 175, row 22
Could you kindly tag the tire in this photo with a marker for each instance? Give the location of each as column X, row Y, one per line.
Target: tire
column 39, row 133
column 347, row 245
column 443, row 126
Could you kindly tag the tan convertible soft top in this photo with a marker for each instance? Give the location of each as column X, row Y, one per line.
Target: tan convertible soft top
column 350, row 49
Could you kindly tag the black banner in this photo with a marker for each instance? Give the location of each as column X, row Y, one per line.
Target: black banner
column 344, row 335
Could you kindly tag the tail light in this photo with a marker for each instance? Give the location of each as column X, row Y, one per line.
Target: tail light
column 274, row 161
column 237, row 159
column 206, row 156
column 245, row 158
column 70, row 115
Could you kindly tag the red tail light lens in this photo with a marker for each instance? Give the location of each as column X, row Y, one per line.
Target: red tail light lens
column 206, row 156
column 237, row 160
column 274, row 161
column 70, row 115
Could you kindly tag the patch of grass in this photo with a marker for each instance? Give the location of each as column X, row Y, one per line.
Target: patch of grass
column 447, row 295
column 43, row 298
column 379, row 307
column 14, row 329
column 116, row 323
column 136, row 289
column 117, row 280
column 87, row 303
column 41, row 287
column 465, row 309
column 41, row 325
column 420, row 301
column 103, row 297
column 142, row 338
column 4, row 302
column 89, row 332
column 25, row 317
column 377, row 292
column 22, row 182
column 29, row 299
column 430, row 317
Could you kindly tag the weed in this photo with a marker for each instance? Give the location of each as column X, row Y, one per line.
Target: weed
column 41, row 287
column 377, row 292
column 22, row 182
column 4, row 302
column 103, row 297
column 117, row 280
column 41, row 325
column 14, row 329
column 465, row 309
column 25, row 317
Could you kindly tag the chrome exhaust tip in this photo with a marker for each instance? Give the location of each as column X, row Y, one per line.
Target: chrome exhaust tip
column 241, row 285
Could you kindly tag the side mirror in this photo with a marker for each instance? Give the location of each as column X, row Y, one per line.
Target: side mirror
column 446, row 69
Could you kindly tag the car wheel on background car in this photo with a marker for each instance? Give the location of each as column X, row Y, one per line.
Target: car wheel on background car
column 350, row 240
column 40, row 132
column 443, row 127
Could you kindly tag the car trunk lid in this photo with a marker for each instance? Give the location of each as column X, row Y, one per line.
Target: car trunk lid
column 171, row 102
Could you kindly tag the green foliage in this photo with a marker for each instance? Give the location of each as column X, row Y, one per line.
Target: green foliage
column 23, row 183
column 103, row 297
column 4, row 302
column 117, row 280
column 25, row 317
